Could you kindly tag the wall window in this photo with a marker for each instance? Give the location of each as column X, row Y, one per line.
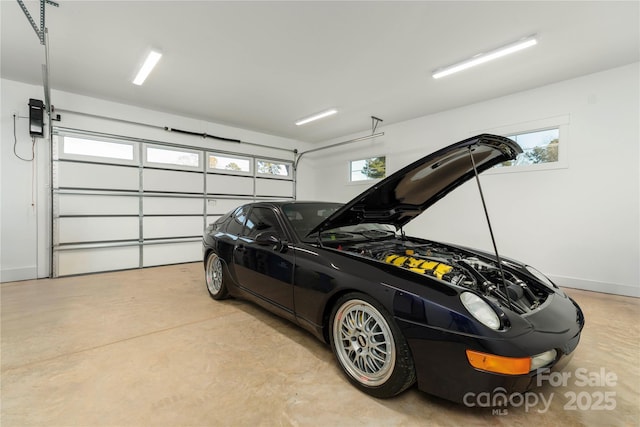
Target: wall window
column 172, row 157
column 273, row 168
column 229, row 163
column 366, row 169
column 538, row 147
column 93, row 148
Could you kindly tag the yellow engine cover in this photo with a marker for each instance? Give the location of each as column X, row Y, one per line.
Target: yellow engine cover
column 420, row 266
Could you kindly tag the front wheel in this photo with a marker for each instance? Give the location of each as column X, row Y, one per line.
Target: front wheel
column 214, row 276
column 369, row 346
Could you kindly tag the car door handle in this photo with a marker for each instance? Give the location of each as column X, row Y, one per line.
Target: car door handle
column 240, row 248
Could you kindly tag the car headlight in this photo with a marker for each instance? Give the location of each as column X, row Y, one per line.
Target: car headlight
column 480, row 309
column 541, row 277
column 543, row 359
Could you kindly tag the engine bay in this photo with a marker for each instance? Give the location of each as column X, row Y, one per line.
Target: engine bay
column 457, row 267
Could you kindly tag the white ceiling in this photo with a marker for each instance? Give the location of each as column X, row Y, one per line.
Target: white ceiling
column 263, row 65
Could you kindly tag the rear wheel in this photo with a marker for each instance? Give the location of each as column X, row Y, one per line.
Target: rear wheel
column 214, row 277
column 369, row 346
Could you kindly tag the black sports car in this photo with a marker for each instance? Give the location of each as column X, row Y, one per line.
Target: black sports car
column 399, row 309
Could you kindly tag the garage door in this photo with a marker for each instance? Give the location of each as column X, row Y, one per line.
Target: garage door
column 121, row 203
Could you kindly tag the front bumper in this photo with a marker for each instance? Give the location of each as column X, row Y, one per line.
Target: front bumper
column 441, row 363
column 443, row 370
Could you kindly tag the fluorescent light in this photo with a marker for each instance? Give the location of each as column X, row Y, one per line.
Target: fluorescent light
column 485, row 57
column 151, row 61
column 316, row 117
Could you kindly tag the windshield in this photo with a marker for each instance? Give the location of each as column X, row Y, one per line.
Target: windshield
column 304, row 217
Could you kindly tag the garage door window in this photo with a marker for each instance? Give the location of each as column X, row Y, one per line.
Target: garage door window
column 229, row 164
column 166, row 156
column 273, row 169
column 93, row 148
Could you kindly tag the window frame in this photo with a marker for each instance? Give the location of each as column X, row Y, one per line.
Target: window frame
column 558, row 122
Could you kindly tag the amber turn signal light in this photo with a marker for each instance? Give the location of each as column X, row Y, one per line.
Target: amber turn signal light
column 499, row 364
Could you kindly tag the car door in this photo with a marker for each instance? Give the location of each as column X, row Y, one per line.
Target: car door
column 263, row 261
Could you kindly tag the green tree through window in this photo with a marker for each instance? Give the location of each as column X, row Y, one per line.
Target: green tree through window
column 371, row 168
column 374, row 167
column 542, row 154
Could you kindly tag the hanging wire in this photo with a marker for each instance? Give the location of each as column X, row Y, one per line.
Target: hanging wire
column 15, row 143
column 34, row 175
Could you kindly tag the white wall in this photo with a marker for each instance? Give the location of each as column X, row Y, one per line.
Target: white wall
column 22, row 184
column 579, row 224
column 25, row 219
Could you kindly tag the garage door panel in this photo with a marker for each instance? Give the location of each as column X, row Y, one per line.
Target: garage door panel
column 172, row 181
column 172, row 205
column 222, row 206
column 229, row 184
column 172, row 253
column 172, row 226
column 94, row 176
column 89, row 204
column 97, row 229
column 274, row 187
column 97, row 259
column 116, row 210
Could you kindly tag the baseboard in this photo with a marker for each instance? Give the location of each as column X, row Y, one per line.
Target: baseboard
column 592, row 285
column 15, row 274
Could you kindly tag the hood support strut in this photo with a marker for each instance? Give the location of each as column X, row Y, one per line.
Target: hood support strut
column 493, row 240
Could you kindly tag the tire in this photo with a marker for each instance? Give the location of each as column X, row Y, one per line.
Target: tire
column 214, row 277
column 369, row 346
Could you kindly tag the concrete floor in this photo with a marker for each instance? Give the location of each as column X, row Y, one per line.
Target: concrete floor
column 150, row 348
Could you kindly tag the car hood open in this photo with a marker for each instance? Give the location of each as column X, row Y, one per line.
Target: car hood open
column 399, row 198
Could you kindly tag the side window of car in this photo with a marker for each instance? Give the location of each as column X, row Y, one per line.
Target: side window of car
column 262, row 219
column 237, row 222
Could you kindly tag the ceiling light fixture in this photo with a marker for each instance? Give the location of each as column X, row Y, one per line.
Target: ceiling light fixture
column 151, row 61
column 485, row 57
column 316, row 117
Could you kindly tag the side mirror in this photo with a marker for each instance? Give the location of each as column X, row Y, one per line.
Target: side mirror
column 269, row 238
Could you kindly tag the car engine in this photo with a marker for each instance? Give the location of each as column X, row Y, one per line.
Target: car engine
column 458, row 268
